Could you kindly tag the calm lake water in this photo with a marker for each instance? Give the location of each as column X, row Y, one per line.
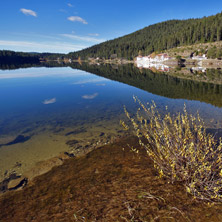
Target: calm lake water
column 47, row 111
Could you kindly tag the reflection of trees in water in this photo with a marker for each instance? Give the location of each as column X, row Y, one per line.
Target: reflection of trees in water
column 9, row 66
column 11, row 59
column 18, row 65
column 156, row 83
column 160, row 83
column 214, row 73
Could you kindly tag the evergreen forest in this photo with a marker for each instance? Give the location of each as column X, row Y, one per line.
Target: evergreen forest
column 157, row 38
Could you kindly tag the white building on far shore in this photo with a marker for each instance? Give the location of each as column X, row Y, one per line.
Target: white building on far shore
column 155, row 66
column 152, row 59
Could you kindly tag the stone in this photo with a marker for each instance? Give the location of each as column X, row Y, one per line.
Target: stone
column 96, row 171
column 72, row 142
column 69, row 154
column 17, row 183
column 102, row 134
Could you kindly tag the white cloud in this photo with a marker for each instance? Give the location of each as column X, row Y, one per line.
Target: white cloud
column 93, row 34
column 49, row 101
column 102, row 84
column 40, row 72
column 77, row 19
column 41, row 46
column 28, row 12
column 33, row 34
column 83, row 38
column 63, row 10
column 90, row 81
column 93, row 96
column 70, row 5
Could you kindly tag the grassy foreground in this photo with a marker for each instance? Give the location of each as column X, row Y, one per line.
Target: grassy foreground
column 111, row 183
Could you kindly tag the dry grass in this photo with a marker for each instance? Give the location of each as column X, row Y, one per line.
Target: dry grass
column 181, row 149
column 185, row 51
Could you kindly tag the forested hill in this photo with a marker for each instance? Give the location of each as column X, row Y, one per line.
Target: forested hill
column 158, row 37
column 12, row 57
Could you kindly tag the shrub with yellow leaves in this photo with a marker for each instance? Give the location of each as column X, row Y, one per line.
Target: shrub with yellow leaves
column 181, row 149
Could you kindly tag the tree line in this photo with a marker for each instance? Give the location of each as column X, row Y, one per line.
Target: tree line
column 9, row 57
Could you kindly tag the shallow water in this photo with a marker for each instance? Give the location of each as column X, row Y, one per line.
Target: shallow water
column 47, row 111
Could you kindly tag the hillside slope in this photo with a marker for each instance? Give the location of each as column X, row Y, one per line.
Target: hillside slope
column 158, row 37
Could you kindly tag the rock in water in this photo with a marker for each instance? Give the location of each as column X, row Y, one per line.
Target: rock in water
column 69, row 154
column 17, row 183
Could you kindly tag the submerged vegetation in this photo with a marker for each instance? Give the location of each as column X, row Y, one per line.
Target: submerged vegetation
column 181, row 149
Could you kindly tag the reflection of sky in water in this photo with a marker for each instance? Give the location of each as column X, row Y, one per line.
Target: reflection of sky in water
column 64, row 96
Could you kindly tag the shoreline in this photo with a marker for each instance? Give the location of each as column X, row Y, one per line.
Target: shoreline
column 16, row 182
column 47, row 149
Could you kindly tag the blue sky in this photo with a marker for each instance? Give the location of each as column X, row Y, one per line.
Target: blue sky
column 64, row 26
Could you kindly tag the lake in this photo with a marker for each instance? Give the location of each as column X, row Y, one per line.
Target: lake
column 46, row 111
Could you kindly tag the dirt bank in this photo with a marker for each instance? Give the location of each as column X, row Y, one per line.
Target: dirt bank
column 111, row 183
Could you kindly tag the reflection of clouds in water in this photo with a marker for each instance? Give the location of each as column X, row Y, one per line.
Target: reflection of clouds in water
column 49, row 101
column 90, row 81
column 102, row 84
column 92, row 96
column 41, row 72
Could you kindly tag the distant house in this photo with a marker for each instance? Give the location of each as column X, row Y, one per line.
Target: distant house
column 139, row 58
column 153, row 62
column 161, row 57
column 154, row 66
column 153, row 58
